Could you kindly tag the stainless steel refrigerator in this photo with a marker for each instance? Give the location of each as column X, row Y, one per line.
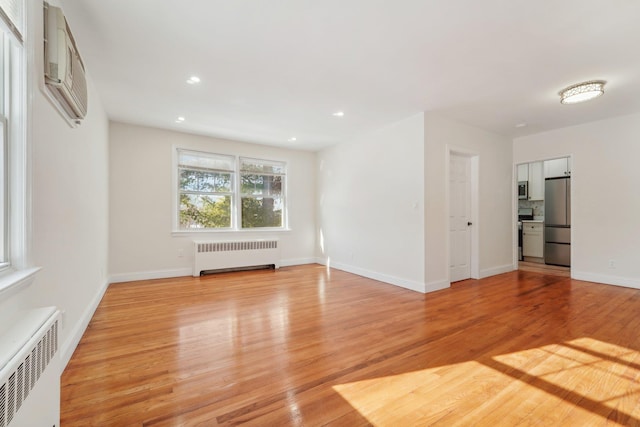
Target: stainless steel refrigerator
column 557, row 221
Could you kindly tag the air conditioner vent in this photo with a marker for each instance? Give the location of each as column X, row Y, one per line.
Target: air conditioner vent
column 64, row 73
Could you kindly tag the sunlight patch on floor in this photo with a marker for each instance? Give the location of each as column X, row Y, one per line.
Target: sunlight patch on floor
column 426, row 397
column 583, row 381
column 590, row 375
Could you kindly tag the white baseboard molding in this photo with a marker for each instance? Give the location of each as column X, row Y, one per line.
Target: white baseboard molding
column 180, row 272
column 437, row 285
column 297, row 261
column 488, row 272
column 69, row 346
column 626, row 282
column 150, row 275
column 392, row 280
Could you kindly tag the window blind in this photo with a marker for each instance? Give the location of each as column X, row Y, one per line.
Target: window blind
column 206, row 161
column 262, row 166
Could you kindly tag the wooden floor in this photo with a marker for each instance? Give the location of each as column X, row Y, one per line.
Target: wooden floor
column 310, row 346
column 544, row 268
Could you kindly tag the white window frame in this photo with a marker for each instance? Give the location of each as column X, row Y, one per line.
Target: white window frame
column 16, row 272
column 236, row 200
column 5, row 236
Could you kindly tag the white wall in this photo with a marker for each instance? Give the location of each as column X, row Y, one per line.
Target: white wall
column 70, row 215
column 495, row 197
column 605, row 203
column 141, row 245
column 371, row 204
column 69, row 212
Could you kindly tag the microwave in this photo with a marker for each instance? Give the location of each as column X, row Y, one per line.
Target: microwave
column 523, row 190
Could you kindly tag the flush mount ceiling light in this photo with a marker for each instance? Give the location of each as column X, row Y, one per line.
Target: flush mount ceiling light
column 193, row 80
column 180, row 119
column 582, row 92
column 338, row 114
column 292, row 139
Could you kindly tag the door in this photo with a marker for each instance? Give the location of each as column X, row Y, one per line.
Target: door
column 459, row 217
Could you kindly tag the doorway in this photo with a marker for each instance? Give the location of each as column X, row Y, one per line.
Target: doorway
column 543, row 238
column 463, row 227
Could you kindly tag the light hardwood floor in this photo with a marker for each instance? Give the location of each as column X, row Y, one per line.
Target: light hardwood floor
column 310, row 346
column 544, row 268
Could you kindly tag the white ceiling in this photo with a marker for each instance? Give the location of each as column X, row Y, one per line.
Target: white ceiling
column 272, row 70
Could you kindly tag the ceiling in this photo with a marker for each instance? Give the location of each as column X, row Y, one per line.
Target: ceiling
column 274, row 70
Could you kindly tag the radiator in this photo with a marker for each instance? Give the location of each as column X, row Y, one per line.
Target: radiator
column 30, row 370
column 225, row 256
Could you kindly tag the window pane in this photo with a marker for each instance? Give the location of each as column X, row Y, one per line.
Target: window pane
column 261, row 185
column 261, row 212
column 205, row 181
column 197, row 211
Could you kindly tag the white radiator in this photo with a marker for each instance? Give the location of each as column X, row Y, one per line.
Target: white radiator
column 223, row 256
column 30, row 370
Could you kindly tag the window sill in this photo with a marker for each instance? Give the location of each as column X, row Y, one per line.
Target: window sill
column 187, row 233
column 14, row 281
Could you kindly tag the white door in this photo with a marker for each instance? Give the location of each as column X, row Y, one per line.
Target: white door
column 460, row 217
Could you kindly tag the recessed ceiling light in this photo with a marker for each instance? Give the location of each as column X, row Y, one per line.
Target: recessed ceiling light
column 338, row 114
column 193, row 80
column 521, row 125
column 292, row 139
column 582, row 92
column 180, row 119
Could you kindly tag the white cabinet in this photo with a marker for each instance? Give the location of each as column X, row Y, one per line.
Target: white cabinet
column 533, row 173
column 557, row 167
column 523, row 172
column 536, row 181
column 532, row 239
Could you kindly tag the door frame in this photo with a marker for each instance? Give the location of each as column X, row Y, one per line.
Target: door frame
column 514, row 192
column 475, row 228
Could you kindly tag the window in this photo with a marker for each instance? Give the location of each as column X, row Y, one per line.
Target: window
column 209, row 197
column 205, row 190
column 12, row 94
column 14, row 178
column 261, row 193
column 4, row 223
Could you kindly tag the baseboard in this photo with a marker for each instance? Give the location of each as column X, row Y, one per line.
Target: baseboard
column 487, row 272
column 297, row 261
column 69, row 346
column 392, row 280
column 438, row 285
column 150, row 275
column 606, row 279
column 180, row 272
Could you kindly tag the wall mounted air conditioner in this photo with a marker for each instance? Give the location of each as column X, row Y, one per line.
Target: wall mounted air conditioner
column 64, row 73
